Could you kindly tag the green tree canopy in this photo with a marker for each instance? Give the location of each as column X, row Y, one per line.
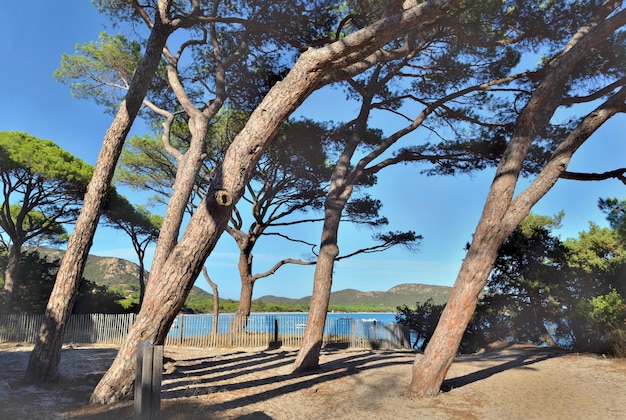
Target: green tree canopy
column 98, row 67
column 524, row 283
column 43, row 187
column 615, row 211
column 139, row 224
column 565, row 293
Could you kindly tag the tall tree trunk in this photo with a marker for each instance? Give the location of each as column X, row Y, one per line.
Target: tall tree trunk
column 245, row 304
column 339, row 193
column 186, row 175
column 430, row 370
column 142, row 280
column 502, row 213
column 166, row 292
column 169, row 286
column 247, row 285
column 44, row 360
column 10, row 272
column 216, row 301
column 308, row 355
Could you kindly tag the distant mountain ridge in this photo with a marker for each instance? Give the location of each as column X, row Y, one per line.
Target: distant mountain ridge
column 122, row 275
column 402, row 294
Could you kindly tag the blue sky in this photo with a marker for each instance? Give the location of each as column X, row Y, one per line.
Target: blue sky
column 444, row 210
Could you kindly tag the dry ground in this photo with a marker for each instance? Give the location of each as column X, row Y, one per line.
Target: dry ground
column 520, row 382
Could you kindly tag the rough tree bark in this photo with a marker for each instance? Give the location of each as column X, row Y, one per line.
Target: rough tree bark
column 169, row 286
column 245, row 295
column 10, row 272
column 189, row 166
column 216, row 301
column 342, row 184
column 339, row 193
column 308, row 355
column 44, row 359
column 502, row 213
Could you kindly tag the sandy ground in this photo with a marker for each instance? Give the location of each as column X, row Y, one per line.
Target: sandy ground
column 520, row 382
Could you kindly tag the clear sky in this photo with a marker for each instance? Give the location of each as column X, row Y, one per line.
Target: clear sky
column 444, row 210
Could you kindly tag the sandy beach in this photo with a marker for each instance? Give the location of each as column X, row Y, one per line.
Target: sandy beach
column 519, row 382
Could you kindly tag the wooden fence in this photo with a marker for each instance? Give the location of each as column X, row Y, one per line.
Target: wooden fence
column 271, row 330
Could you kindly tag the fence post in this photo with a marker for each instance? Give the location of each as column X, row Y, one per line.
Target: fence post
column 181, row 327
column 276, row 344
column 406, row 336
column 148, row 381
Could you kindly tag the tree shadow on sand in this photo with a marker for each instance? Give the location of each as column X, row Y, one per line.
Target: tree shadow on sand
column 241, row 379
column 186, row 379
column 521, row 358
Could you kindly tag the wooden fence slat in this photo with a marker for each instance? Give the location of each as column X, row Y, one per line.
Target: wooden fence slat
column 195, row 330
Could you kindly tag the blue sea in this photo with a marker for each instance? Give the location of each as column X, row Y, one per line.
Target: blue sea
column 287, row 323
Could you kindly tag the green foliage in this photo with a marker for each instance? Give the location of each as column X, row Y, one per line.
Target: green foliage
column 605, row 316
column 280, row 31
column 525, row 281
column 101, row 70
column 546, row 291
column 145, row 164
column 38, row 275
column 606, row 310
column 31, row 294
column 597, row 250
column 35, row 221
column 364, row 307
column 615, row 211
column 205, row 305
column 365, row 209
column 138, row 223
column 42, row 158
column 422, row 321
column 43, row 188
column 122, row 213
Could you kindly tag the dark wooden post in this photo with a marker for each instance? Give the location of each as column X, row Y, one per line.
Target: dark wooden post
column 148, row 381
column 275, row 344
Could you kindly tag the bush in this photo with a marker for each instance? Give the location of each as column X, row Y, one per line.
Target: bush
column 604, row 325
column 36, row 276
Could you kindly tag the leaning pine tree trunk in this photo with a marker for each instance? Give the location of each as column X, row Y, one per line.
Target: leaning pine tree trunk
column 308, row 355
column 502, row 213
column 43, row 365
column 430, row 370
column 169, row 286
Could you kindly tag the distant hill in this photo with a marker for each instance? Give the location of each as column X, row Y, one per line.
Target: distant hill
column 403, row 294
column 117, row 273
column 122, row 275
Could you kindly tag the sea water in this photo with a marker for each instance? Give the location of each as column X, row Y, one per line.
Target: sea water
column 287, row 323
